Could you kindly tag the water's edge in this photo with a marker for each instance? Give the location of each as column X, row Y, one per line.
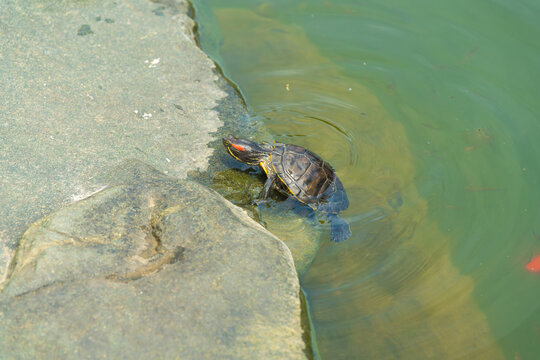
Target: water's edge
column 233, row 112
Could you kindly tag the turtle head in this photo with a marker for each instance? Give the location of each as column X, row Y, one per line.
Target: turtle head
column 246, row 151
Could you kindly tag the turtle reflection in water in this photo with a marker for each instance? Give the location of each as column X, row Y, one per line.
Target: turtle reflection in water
column 295, row 171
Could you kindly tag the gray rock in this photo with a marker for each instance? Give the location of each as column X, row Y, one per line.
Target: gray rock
column 150, row 267
column 136, row 263
column 87, row 85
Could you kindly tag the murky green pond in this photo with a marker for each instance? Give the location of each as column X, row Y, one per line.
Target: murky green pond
column 429, row 111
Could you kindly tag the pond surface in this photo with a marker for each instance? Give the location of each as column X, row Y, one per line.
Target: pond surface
column 429, row 112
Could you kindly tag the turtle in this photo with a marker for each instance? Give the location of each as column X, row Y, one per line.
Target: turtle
column 296, row 172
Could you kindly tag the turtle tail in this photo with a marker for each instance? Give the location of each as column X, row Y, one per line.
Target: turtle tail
column 339, row 227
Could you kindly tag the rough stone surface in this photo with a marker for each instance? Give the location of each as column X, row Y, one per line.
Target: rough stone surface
column 150, row 267
column 138, row 263
column 87, row 84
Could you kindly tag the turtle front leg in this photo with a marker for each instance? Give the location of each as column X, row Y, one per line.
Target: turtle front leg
column 265, row 193
column 268, row 186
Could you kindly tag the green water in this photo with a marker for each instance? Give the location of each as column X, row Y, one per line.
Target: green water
column 429, row 111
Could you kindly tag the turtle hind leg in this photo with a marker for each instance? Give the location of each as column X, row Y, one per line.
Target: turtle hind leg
column 340, row 230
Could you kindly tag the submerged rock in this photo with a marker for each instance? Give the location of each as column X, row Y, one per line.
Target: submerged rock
column 291, row 222
column 150, row 267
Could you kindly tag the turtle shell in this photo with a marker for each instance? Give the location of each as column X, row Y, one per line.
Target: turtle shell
column 308, row 178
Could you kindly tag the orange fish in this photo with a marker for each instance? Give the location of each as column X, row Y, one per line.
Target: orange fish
column 533, row 265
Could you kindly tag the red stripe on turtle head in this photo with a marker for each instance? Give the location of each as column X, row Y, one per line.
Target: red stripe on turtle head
column 238, row 147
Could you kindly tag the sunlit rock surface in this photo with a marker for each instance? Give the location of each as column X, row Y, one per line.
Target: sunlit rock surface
column 150, row 267
column 87, row 84
column 139, row 262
